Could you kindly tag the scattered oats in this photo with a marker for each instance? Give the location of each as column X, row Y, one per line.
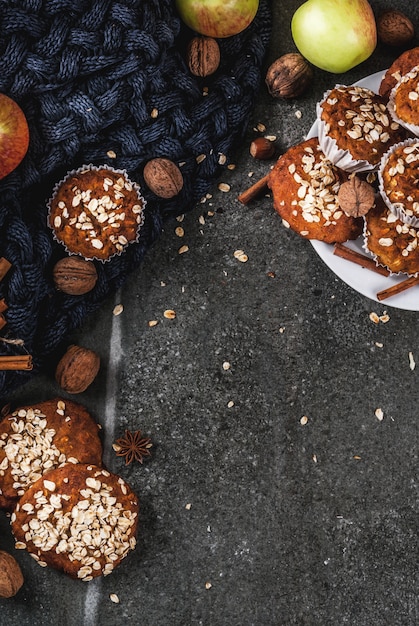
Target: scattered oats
column 314, row 457
column 384, row 318
column 270, row 137
column 154, row 113
column 162, row 283
column 379, row 415
column 282, row 329
column 224, row 187
column 304, row 420
column 180, row 218
column 179, row 231
column 356, row 457
column 200, row 158
column 111, row 154
column 169, row 314
column 231, row 166
column 118, row 309
column 201, row 220
column 250, row 174
column 260, row 127
column 374, row 317
column 241, row 256
column 183, row 249
column 271, row 275
column 114, row 598
column 222, row 159
column 412, row 363
column 230, row 404
column 226, row 365
column 152, row 323
column 188, row 506
column 208, row 585
column 379, row 344
column 298, row 114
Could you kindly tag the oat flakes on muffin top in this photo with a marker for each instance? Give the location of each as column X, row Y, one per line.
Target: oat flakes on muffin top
column 359, row 122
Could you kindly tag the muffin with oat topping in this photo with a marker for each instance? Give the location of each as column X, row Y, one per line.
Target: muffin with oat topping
column 36, row 438
column 80, row 519
column 400, row 66
column 404, row 101
column 305, row 185
column 355, row 128
column 399, row 181
column 392, row 243
column 96, row 212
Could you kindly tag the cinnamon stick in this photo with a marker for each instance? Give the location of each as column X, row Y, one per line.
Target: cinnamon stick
column 3, row 305
column 394, row 290
column 5, row 265
column 254, row 191
column 360, row 259
column 16, row 362
column 3, row 321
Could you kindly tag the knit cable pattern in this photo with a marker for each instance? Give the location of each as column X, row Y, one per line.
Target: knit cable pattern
column 88, row 74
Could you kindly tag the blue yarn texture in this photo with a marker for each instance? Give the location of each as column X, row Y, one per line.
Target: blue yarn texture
column 87, row 74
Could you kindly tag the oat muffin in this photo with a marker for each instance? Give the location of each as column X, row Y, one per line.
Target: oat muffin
column 402, row 65
column 80, row 519
column 96, row 212
column 355, row 128
column 305, row 186
column 399, row 181
column 393, row 243
column 37, row 438
column 404, row 101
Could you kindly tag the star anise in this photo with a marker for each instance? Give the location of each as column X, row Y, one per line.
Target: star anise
column 133, row 446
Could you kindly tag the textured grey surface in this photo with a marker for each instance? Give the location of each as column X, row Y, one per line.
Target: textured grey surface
column 292, row 525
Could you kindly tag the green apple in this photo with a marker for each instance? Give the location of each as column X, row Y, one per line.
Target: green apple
column 335, row 35
column 217, row 18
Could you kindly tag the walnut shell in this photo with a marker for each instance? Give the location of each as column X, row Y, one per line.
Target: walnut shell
column 394, row 28
column 74, row 276
column 203, row 56
column 356, row 197
column 289, row 76
column 163, row 177
column 77, row 369
column 11, row 577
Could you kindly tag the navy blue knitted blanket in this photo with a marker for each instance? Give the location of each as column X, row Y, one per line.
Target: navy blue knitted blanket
column 87, row 74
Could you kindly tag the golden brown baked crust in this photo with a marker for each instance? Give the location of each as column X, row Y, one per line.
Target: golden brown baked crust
column 80, row 519
column 305, row 186
column 359, row 121
column 393, row 243
column 37, row 438
column 400, row 178
column 96, row 212
column 405, row 98
column 403, row 64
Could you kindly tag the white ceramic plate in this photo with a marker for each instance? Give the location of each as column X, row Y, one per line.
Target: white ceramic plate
column 365, row 281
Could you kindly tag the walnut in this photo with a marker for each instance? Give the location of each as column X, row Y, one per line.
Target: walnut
column 356, row 197
column 394, row 28
column 11, row 578
column 163, row 177
column 289, row 76
column 74, row 276
column 77, row 369
column 203, row 56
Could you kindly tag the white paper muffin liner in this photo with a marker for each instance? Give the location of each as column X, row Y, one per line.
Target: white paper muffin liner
column 343, row 159
column 396, row 209
column 413, row 128
column 97, row 168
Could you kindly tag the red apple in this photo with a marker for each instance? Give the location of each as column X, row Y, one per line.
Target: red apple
column 14, row 135
column 217, row 18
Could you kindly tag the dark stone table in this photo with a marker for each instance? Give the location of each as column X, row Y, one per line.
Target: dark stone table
column 249, row 516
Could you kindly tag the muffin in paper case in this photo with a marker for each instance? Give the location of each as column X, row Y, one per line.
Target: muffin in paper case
column 96, row 212
column 392, row 243
column 398, row 181
column 403, row 101
column 355, row 128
